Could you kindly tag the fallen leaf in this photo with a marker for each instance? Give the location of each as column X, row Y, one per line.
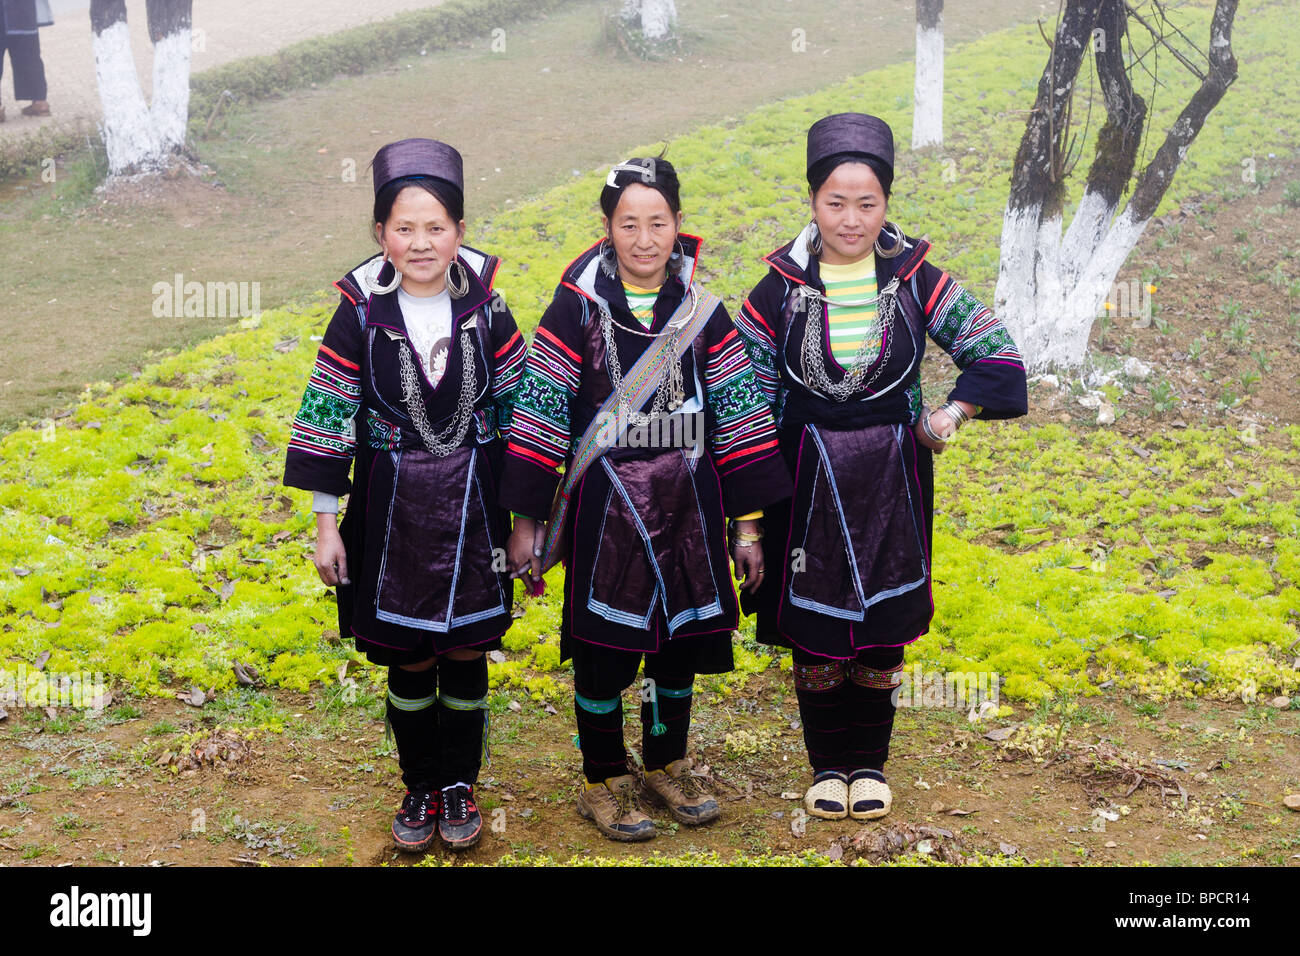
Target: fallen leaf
column 194, row 697
column 39, row 663
column 246, row 674
column 790, row 795
column 954, row 812
column 51, row 713
column 1002, row 733
column 497, row 657
column 515, row 706
column 1010, row 849
column 550, row 710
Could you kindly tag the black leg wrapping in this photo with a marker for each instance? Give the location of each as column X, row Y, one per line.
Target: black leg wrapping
column 873, row 678
column 414, row 721
column 463, row 717
column 666, row 715
column 819, row 687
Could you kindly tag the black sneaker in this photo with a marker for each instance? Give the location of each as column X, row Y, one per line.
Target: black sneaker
column 460, row 824
column 416, row 823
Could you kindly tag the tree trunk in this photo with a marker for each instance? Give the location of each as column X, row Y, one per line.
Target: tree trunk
column 170, row 30
column 657, row 18
column 137, row 137
column 927, row 99
column 1051, row 286
column 129, row 134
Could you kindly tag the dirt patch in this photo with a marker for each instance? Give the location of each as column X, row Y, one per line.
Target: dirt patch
column 1214, row 775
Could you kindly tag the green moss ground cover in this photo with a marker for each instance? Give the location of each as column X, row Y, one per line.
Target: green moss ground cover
column 146, row 535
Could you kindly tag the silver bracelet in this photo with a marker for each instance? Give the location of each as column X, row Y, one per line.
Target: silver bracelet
column 955, row 412
column 929, row 432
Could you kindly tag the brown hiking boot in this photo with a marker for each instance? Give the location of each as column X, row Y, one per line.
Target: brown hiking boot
column 37, row 108
column 683, row 793
column 613, row 806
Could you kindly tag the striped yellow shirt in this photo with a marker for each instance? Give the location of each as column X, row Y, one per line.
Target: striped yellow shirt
column 642, row 303
column 848, row 326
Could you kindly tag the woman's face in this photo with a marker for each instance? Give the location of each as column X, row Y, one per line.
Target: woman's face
column 850, row 211
column 421, row 239
column 643, row 231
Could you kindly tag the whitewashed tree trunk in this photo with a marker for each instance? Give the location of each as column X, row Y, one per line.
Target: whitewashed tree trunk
column 658, row 18
column 129, row 134
column 927, row 106
column 1053, row 280
column 138, row 137
column 171, row 31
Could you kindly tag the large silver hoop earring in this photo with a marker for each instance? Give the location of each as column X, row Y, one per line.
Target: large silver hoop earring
column 898, row 241
column 457, row 285
column 814, row 240
column 370, row 277
column 608, row 259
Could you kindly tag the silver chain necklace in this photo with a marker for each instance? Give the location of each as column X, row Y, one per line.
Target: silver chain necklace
column 813, row 360
column 445, row 443
column 671, row 391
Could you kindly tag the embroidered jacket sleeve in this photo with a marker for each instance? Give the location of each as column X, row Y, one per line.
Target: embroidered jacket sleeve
column 540, row 427
column 992, row 374
column 757, row 322
column 742, row 434
column 509, row 352
column 323, row 438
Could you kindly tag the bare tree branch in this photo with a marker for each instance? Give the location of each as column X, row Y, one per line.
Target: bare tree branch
column 1155, row 179
column 1033, row 183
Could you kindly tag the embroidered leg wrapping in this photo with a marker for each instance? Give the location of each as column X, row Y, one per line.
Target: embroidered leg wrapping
column 665, row 722
column 413, row 722
column 463, row 713
column 600, row 735
column 872, row 680
column 820, row 689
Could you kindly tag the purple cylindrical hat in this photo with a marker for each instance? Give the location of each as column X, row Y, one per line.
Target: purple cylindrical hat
column 418, row 157
column 850, row 133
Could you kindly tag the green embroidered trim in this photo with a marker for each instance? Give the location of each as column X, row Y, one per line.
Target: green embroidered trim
column 410, row 704
column 597, row 706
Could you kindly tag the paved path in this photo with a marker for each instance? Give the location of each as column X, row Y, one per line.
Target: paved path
column 231, row 29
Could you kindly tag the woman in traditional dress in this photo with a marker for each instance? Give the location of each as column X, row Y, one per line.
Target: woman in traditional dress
column 638, row 373
column 411, row 391
column 836, row 331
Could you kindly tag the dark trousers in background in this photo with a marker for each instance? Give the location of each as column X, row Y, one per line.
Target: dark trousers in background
column 24, row 51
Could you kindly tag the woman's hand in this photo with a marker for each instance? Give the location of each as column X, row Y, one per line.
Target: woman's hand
column 748, row 558
column 331, row 559
column 940, row 424
column 524, row 550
